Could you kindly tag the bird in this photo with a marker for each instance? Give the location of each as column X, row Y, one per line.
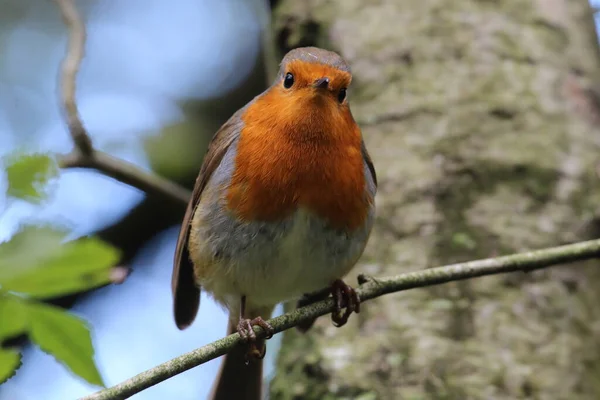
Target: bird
column 283, row 206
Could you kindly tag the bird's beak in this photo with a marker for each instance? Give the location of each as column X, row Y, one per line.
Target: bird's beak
column 321, row 83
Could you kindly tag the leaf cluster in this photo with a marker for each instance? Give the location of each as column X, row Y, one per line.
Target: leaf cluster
column 38, row 263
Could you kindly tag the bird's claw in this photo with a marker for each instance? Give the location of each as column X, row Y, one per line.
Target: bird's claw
column 247, row 334
column 343, row 295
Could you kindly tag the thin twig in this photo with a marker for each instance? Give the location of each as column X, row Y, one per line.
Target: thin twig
column 70, row 68
column 84, row 155
column 370, row 289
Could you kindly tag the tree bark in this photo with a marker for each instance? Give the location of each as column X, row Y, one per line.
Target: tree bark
column 482, row 118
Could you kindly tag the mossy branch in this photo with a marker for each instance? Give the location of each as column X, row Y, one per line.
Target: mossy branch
column 369, row 288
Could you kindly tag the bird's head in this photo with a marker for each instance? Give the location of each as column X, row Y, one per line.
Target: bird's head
column 310, row 74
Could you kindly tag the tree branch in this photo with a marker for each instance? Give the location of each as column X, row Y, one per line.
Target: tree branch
column 84, row 155
column 370, row 288
column 69, row 70
column 127, row 173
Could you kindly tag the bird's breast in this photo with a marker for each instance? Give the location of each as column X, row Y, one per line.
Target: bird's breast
column 281, row 167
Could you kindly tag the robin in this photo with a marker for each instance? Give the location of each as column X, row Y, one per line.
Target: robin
column 283, row 206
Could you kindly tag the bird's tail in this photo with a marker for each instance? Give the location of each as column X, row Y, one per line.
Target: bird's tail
column 237, row 380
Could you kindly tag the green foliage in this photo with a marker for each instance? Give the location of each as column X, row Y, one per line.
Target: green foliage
column 39, row 263
column 66, row 337
column 10, row 360
column 13, row 314
column 14, row 322
column 54, row 330
column 28, row 175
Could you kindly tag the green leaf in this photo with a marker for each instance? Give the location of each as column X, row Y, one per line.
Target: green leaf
column 28, row 175
column 39, row 263
column 66, row 337
column 13, row 314
column 27, row 250
column 53, row 329
column 10, row 361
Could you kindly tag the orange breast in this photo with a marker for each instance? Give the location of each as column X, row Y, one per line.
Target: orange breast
column 290, row 156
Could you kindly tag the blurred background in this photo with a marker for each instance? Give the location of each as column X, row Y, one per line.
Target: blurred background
column 156, row 83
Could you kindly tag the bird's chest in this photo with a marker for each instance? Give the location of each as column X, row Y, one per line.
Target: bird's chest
column 273, row 179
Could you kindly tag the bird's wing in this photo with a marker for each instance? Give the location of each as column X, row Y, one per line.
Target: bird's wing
column 186, row 293
column 368, row 162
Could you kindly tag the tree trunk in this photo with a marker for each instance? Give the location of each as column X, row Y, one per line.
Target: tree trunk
column 483, row 123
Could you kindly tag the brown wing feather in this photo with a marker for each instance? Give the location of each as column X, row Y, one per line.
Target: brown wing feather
column 186, row 293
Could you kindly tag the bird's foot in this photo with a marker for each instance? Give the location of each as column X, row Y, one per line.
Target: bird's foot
column 343, row 295
column 245, row 330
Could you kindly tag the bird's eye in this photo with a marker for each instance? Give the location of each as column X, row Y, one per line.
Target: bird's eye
column 342, row 95
column 288, row 81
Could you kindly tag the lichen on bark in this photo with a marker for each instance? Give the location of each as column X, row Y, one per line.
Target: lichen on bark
column 483, row 125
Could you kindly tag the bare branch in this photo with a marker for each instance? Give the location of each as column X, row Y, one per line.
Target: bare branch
column 127, row 173
column 84, row 155
column 70, row 68
column 370, row 288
